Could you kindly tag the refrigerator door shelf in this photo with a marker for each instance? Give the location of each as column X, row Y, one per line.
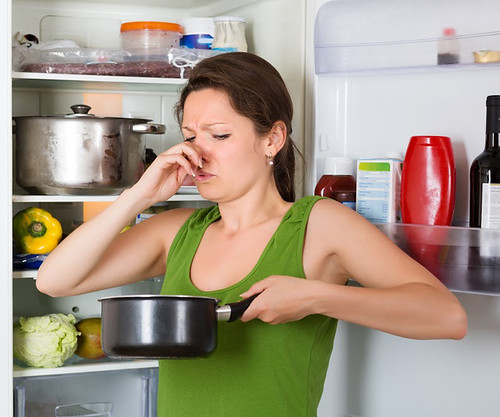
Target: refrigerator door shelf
column 466, row 260
column 374, row 36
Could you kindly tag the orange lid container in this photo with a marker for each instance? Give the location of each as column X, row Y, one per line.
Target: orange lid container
column 165, row 26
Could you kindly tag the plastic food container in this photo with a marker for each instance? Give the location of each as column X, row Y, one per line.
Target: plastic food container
column 198, row 32
column 229, row 34
column 150, row 39
column 84, row 410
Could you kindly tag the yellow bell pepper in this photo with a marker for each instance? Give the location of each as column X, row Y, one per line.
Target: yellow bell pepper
column 36, row 231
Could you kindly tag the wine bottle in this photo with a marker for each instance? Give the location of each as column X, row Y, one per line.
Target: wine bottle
column 484, row 209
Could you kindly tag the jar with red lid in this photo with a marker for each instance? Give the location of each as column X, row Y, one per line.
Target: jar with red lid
column 150, row 40
column 337, row 181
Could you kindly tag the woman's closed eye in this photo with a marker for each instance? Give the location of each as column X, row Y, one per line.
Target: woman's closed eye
column 218, row 137
column 221, row 137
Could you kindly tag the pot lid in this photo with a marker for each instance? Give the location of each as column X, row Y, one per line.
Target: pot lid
column 82, row 111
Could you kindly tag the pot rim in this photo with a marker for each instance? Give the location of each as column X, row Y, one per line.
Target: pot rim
column 158, row 296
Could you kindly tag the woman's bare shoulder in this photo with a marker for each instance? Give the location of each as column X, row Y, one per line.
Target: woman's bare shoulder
column 339, row 222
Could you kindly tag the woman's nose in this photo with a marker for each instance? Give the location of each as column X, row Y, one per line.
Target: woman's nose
column 202, row 147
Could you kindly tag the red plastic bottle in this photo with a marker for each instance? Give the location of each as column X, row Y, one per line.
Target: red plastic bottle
column 428, row 181
column 337, row 182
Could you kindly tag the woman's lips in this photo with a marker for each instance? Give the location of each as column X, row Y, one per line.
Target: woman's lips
column 202, row 176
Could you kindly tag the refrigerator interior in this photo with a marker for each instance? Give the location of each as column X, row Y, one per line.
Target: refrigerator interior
column 276, row 36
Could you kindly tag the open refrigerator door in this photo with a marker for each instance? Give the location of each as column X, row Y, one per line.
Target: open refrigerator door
column 386, row 71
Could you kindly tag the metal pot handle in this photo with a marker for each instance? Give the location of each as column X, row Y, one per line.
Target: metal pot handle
column 152, row 128
column 233, row 311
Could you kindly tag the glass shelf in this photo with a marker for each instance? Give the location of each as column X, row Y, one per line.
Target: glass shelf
column 33, row 198
column 73, row 366
column 34, row 80
column 26, row 273
column 410, row 70
column 464, row 259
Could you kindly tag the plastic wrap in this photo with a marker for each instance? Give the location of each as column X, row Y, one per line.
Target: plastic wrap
column 43, row 58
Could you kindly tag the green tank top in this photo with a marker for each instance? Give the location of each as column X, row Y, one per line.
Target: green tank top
column 257, row 369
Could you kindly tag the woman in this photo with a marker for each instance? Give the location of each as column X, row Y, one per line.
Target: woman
column 236, row 114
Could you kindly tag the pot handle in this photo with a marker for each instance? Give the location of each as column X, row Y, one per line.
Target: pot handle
column 150, row 128
column 233, row 311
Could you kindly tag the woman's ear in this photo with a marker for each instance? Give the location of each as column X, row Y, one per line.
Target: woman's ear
column 276, row 138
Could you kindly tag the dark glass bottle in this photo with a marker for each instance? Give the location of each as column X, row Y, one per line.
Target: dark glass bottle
column 484, row 210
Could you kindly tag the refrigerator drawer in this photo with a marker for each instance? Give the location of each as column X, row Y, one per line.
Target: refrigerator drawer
column 131, row 393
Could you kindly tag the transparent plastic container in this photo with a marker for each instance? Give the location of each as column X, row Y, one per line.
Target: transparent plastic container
column 84, row 410
column 150, row 40
column 229, row 34
column 125, row 392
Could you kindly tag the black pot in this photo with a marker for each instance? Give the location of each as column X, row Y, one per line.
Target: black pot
column 163, row 326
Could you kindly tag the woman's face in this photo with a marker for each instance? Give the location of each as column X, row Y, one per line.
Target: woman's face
column 234, row 156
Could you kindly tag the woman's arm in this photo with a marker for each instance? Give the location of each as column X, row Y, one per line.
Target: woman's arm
column 97, row 256
column 399, row 296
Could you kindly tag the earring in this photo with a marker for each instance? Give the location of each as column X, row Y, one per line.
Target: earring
column 270, row 160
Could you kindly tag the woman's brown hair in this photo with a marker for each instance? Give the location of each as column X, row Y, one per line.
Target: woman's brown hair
column 256, row 90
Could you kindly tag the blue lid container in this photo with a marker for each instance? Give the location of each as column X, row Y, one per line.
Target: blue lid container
column 198, row 32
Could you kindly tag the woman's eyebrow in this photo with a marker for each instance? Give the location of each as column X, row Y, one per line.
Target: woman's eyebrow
column 205, row 126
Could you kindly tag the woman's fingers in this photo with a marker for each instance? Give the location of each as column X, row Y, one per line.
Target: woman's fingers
column 185, row 155
column 189, row 151
column 169, row 170
column 192, row 155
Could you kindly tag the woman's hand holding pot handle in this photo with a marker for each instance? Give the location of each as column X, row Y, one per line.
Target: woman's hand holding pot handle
column 282, row 299
column 233, row 311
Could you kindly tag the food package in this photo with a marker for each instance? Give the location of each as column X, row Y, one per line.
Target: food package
column 68, row 58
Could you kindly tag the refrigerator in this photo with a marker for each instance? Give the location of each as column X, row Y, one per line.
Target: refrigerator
column 364, row 78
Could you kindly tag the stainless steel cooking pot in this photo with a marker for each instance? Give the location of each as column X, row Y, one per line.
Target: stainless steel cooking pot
column 80, row 153
column 163, row 326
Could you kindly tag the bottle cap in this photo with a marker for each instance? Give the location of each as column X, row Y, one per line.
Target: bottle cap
column 449, row 32
column 338, row 166
column 493, row 101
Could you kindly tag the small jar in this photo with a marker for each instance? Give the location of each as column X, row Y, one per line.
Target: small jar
column 149, row 39
column 337, row 182
column 197, row 32
column 229, row 34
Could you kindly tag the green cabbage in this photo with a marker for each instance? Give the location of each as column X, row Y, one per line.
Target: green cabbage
column 45, row 341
